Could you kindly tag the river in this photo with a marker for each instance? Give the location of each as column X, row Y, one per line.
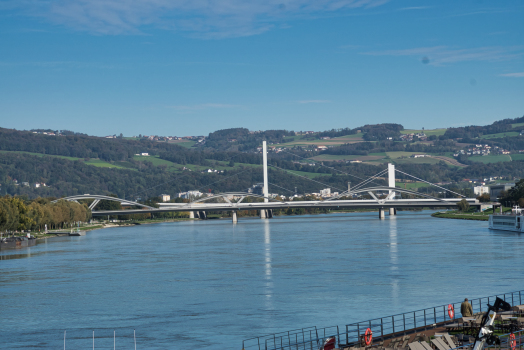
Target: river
column 211, row 284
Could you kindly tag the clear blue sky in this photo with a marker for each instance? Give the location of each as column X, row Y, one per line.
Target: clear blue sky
column 191, row 67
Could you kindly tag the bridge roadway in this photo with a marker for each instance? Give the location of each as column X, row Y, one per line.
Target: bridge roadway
column 365, row 204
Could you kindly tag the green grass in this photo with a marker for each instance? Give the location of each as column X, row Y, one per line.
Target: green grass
column 395, row 155
column 43, row 155
column 154, row 160
column 470, row 215
column 519, row 156
column 94, row 162
column 306, row 174
column 490, row 159
column 328, row 157
column 517, row 125
column 102, row 164
column 500, row 135
column 186, row 144
column 335, row 141
column 411, row 185
column 424, row 160
column 428, row 132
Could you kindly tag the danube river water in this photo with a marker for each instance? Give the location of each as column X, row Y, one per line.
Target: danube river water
column 211, row 284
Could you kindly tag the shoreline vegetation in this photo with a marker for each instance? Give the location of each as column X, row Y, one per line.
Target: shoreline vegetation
column 39, row 235
column 470, row 214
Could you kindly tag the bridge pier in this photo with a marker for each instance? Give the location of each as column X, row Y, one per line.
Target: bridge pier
column 191, row 214
column 266, row 213
column 381, row 213
column 203, row 215
column 392, row 211
column 234, row 217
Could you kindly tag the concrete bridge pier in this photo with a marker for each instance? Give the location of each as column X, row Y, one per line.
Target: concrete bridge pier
column 392, row 211
column 234, row 217
column 381, row 213
column 266, row 213
column 191, row 214
column 203, row 215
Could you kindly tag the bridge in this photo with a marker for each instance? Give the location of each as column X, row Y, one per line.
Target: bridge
column 222, row 201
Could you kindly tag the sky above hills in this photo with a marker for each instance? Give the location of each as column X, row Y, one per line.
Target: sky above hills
column 178, row 67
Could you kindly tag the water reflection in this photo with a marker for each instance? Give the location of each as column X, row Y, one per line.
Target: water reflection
column 267, row 261
column 393, row 258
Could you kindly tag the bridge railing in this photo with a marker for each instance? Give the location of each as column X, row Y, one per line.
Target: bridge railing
column 382, row 328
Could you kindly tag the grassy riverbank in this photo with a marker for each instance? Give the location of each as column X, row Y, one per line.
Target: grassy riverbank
column 471, row 214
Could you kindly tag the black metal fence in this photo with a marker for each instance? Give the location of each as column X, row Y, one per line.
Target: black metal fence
column 382, row 328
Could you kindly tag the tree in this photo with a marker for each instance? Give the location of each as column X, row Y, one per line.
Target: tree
column 484, row 197
column 463, row 205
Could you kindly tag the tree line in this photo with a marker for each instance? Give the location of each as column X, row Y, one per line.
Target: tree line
column 17, row 214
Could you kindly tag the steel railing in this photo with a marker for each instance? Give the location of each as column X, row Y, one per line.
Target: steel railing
column 383, row 328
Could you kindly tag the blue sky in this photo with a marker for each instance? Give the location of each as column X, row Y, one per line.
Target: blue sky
column 179, row 67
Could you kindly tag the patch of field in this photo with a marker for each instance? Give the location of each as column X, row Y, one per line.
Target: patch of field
column 411, row 185
column 491, row 158
column 183, row 143
column 500, row 135
column 398, row 154
column 517, row 156
column 428, row 132
column 155, row 160
column 126, row 165
column 449, row 160
column 517, row 125
column 43, row 155
column 336, row 141
column 102, row 164
column 334, row 157
column 94, row 162
column 304, row 173
column 424, row 160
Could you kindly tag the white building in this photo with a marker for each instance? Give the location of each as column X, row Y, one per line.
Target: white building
column 480, row 190
column 166, row 198
column 326, row 192
column 190, row 194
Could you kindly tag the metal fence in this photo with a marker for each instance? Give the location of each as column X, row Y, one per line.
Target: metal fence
column 382, row 328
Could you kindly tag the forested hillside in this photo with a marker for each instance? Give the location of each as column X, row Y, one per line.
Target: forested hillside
column 35, row 164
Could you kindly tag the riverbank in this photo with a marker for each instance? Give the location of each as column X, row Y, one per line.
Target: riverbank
column 211, row 216
column 461, row 216
column 471, row 214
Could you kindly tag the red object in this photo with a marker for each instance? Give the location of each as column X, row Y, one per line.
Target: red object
column 512, row 341
column 329, row 344
column 451, row 311
column 368, row 337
